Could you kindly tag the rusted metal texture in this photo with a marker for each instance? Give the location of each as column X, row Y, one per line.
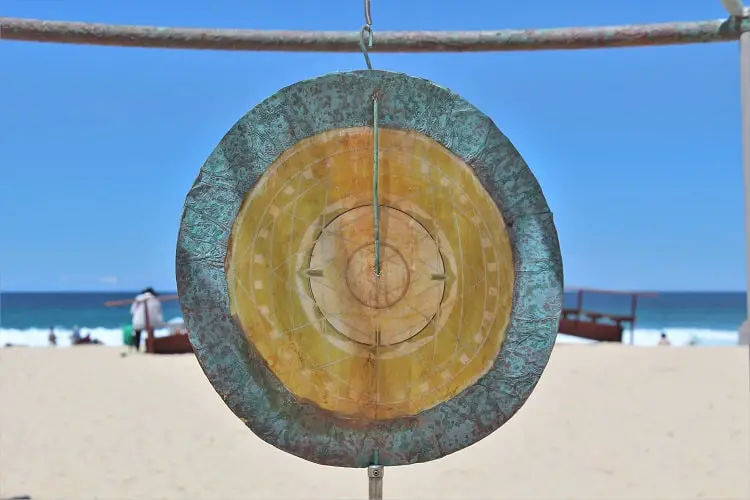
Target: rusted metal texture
column 233, row 364
column 32, row 30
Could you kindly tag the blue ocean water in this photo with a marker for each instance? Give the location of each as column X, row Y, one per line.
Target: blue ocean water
column 708, row 318
column 26, row 318
column 23, row 311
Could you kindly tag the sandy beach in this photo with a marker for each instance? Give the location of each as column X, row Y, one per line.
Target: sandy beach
column 605, row 422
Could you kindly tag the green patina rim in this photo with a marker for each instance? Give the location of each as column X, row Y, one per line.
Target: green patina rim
column 236, row 369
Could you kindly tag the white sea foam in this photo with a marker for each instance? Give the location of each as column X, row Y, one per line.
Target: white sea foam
column 37, row 337
column 677, row 336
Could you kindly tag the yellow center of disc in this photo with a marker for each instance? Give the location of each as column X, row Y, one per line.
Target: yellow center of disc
column 302, row 285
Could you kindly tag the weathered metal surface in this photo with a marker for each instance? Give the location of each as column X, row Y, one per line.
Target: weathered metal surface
column 32, row 30
column 233, row 364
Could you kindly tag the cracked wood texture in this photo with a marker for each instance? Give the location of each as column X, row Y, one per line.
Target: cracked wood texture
column 316, row 354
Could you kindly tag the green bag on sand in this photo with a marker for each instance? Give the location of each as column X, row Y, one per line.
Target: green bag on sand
column 127, row 335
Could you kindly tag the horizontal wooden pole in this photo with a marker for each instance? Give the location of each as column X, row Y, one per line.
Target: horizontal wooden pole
column 610, row 292
column 32, row 30
column 127, row 302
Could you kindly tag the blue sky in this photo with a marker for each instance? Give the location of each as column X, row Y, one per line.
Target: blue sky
column 637, row 150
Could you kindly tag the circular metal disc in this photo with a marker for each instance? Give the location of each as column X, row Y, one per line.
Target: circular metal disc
column 275, row 272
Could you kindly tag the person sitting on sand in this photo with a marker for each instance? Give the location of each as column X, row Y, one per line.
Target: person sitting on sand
column 663, row 340
column 146, row 314
column 52, row 338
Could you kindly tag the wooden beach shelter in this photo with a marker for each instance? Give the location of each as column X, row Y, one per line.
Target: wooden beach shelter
column 368, row 269
column 600, row 325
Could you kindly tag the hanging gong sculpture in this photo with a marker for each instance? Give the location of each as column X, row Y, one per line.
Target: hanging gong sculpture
column 356, row 308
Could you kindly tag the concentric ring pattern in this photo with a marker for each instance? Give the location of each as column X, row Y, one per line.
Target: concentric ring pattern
column 303, row 287
column 318, row 355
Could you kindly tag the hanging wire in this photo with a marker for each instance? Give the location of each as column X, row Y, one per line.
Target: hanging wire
column 368, row 13
column 365, row 35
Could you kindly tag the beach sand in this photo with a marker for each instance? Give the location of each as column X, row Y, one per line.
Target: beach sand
column 605, row 422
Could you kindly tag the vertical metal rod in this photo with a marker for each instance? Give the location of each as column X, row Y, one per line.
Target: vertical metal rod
column 744, row 334
column 375, row 474
column 375, row 182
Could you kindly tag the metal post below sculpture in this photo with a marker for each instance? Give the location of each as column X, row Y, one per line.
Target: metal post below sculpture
column 376, row 473
column 738, row 12
column 744, row 333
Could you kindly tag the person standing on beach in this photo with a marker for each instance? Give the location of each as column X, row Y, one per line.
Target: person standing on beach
column 75, row 337
column 52, row 338
column 146, row 314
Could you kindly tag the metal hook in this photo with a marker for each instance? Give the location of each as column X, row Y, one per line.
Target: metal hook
column 365, row 43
